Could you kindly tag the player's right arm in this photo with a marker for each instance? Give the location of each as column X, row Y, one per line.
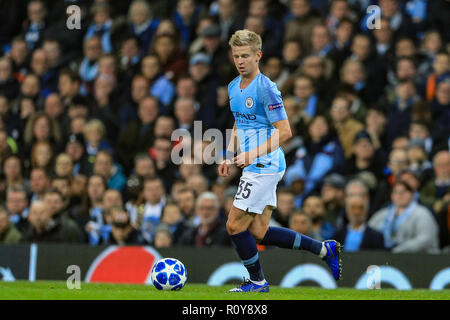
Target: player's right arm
column 224, row 167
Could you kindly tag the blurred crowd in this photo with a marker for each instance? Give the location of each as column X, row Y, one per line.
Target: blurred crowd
column 86, row 117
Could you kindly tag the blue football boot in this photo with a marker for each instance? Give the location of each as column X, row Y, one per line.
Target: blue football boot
column 248, row 286
column 333, row 257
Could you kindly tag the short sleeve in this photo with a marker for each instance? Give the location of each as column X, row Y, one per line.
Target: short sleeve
column 273, row 104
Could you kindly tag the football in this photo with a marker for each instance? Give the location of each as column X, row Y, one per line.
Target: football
column 169, row 274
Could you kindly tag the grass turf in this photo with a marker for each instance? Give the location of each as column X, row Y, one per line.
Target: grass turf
column 57, row 290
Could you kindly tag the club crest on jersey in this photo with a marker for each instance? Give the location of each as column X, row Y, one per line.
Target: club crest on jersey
column 249, row 102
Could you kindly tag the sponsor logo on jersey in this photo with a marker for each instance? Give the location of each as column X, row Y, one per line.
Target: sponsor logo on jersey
column 246, row 116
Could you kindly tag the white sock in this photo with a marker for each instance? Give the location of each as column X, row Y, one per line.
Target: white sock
column 259, row 283
column 323, row 251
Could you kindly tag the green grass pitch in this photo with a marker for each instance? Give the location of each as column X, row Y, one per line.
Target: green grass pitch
column 57, row 290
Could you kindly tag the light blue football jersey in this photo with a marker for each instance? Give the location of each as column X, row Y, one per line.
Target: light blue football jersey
column 255, row 108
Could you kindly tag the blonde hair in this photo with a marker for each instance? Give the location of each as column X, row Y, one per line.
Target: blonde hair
column 96, row 125
column 246, row 38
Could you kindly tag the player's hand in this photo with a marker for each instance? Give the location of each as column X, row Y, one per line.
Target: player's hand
column 243, row 159
column 224, row 168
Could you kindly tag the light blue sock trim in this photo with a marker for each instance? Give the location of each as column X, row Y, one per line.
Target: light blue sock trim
column 297, row 241
column 251, row 260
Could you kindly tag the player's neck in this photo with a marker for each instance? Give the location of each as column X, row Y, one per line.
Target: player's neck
column 246, row 80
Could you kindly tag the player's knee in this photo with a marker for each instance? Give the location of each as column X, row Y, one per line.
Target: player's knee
column 258, row 232
column 232, row 227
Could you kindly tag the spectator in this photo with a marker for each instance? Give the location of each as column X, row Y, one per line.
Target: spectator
column 173, row 219
column 163, row 237
column 19, row 53
column 142, row 23
column 397, row 162
column 186, row 203
column 437, row 191
column 54, row 108
column 217, row 51
column 406, row 225
column 101, row 25
column 138, row 135
column 357, row 235
column 171, row 56
column 44, row 227
column 364, row 157
column 6, row 149
column 95, row 136
column 139, row 91
column 13, row 173
column 399, row 113
column 144, row 168
column 105, row 166
column 17, row 207
column 161, row 155
column 211, row 231
column 160, row 86
column 292, row 53
column 40, row 127
column 300, row 22
column 122, row 232
column 301, row 223
column 40, row 181
column 129, row 56
column 333, row 195
column 319, row 155
column 375, row 125
column 306, row 95
column 69, row 83
column 40, row 67
column 347, row 128
column 440, row 106
column 9, row 86
column 275, row 70
column 314, row 207
column 8, row 232
column 418, row 159
column 201, row 71
column 75, row 148
column 63, row 166
column 185, row 17
column 42, row 155
column 37, row 14
column 147, row 215
column 285, row 207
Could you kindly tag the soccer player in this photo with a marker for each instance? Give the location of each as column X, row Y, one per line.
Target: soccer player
column 261, row 125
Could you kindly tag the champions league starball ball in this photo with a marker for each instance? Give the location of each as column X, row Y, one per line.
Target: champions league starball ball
column 169, row 274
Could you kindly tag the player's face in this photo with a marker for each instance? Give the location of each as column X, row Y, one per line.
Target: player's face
column 245, row 60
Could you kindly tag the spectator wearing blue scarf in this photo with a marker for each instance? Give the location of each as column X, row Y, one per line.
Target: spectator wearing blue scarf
column 101, row 26
column 36, row 15
column 88, row 69
column 406, row 225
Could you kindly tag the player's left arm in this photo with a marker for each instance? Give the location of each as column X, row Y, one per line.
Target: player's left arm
column 281, row 134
